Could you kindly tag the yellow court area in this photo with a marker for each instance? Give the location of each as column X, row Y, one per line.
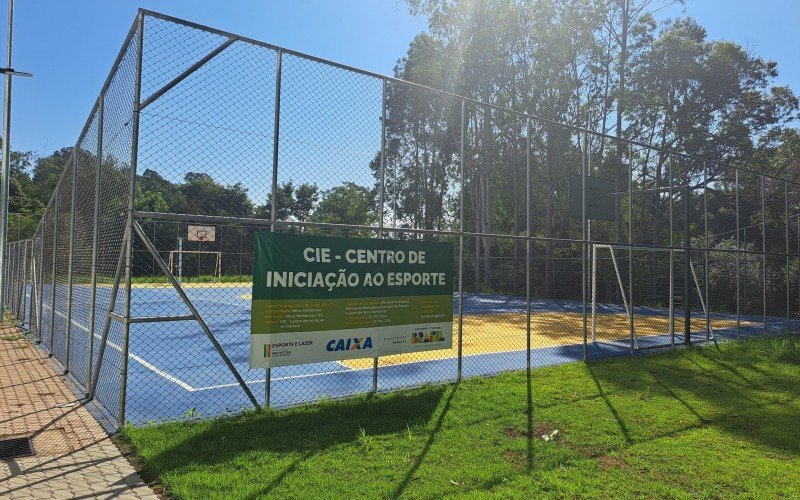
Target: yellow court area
column 493, row 333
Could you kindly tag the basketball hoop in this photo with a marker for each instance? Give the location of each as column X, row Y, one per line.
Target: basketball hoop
column 202, row 233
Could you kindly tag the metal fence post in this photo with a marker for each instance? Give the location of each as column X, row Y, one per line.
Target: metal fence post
column 671, row 257
column 380, row 202
column 95, row 242
column 11, row 279
column 137, row 91
column 20, row 277
column 630, row 248
column 738, row 259
column 707, row 247
column 274, row 207
column 763, row 256
column 34, row 320
column 687, row 263
column 18, row 288
column 528, row 242
column 24, row 291
column 786, row 241
column 73, row 212
column 460, row 246
column 53, row 276
column 8, row 277
column 40, row 293
column 584, row 245
column 14, row 282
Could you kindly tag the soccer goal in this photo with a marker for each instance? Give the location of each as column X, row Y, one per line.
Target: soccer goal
column 195, row 263
column 625, row 292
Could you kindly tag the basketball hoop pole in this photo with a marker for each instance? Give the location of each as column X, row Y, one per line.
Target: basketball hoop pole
column 180, row 259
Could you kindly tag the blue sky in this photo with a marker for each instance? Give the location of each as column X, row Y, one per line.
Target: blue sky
column 69, row 46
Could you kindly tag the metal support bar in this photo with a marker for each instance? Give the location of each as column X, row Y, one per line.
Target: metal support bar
column 274, row 208
column 10, row 279
column 763, row 256
column 528, row 252
column 126, row 327
column 53, row 284
column 594, row 293
column 687, row 264
column 460, row 245
column 34, row 319
column 704, row 298
column 630, row 248
column 151, row 319
column 671, row 259
column 5, row 175
column 584, row 247
column 112, row 300
column 191, row 69
column 196, row 315
column 738, row 259
column 23, row 302
column 160, row 319
column 40, row 293
column 380, row 202
column 218, row 219
column 786, row 240
column 95, row 240
column 70, row 264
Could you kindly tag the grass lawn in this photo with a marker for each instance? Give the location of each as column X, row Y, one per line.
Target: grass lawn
column 719, row 421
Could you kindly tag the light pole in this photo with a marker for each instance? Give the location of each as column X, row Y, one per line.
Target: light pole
column 5, row 173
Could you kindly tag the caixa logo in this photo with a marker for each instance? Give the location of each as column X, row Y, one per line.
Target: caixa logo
column 349, row 344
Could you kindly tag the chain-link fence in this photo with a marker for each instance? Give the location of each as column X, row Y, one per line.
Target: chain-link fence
column 570, row 245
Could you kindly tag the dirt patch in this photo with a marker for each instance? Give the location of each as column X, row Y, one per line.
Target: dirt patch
column 541, row 429
column 515, row 458
column 588, row 452
column 513, row 432
column 609, row 462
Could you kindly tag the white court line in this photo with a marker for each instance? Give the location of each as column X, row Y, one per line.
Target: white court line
column 133, row 356
column 410, row 362
column 273, row 379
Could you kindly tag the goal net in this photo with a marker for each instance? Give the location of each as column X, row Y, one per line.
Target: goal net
column 617, row 276
column 195, row 263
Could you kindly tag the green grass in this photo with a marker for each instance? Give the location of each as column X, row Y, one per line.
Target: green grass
column 704, row 422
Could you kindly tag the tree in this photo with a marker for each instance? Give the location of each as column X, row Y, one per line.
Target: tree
column 347, row 204
column 46, row 173
column 201, row 194
column 294, row 203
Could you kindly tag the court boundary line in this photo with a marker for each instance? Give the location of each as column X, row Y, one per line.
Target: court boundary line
column 161, row 373
column 189, row 388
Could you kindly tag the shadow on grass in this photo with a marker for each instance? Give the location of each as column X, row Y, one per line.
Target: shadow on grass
column 431, row 436
column 738, row 395
column 304, row 431
column 623, row 427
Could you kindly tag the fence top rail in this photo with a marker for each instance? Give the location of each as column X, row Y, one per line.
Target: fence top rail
column 574, row 128
column 247, row 221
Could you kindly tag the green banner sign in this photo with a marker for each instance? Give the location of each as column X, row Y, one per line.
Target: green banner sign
column 325, row 299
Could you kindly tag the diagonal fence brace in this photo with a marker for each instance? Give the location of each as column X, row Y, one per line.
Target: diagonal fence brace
column 147, row 243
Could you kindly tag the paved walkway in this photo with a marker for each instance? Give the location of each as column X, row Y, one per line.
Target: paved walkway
column 74, row 457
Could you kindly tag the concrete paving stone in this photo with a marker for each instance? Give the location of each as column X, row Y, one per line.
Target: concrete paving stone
column 74, row 456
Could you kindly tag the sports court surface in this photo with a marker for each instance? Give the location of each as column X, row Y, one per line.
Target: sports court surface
column 174, row 368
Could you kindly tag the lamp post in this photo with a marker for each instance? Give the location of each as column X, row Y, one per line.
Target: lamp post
column 5, row 171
